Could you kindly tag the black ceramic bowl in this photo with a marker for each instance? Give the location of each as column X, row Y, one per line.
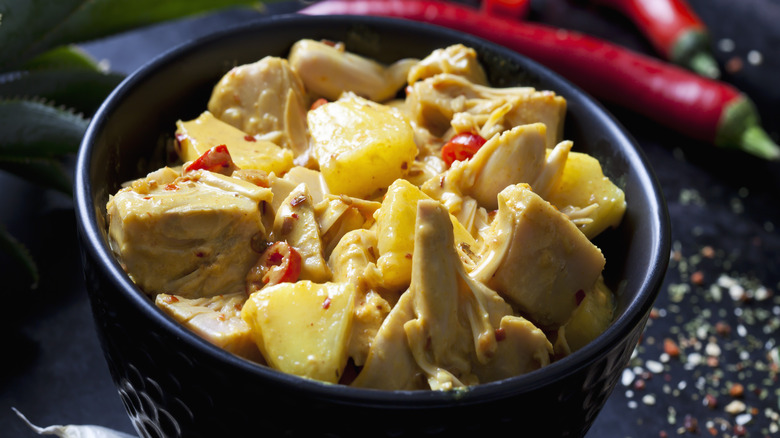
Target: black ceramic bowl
column 173, row 383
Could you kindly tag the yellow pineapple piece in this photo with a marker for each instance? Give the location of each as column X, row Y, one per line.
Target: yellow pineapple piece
column 591, row 317
column 587, row 196
column 396, row 221
column 303, row 328
column 361, row 146
column 194, row 137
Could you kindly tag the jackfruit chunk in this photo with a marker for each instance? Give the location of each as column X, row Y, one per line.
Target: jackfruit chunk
column 350, row 259
column 296, row 223
column 194, row 137
column 327, row 70
column 303, row 328
column 446, row 101
column 190, row 237
column 361, row 146
column 537, row 258
column 588, row 197
column 456, row 59
column 515, row 156
column 522, row 347
column 216, row 319
column 266, row 99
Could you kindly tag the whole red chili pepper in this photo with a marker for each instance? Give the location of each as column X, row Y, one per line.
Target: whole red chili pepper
column 517, row 9
column 699, row 107
column 674, row 30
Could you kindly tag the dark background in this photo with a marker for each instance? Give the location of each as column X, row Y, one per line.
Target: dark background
column 719, row 304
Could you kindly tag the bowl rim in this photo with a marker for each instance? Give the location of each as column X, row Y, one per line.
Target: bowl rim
column 92, row 242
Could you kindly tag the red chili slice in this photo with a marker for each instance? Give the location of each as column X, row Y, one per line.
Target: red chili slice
column 216, row 159
column 280, row 263
column 461, row 147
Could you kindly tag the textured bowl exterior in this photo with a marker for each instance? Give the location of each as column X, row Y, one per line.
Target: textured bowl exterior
column 174, row 384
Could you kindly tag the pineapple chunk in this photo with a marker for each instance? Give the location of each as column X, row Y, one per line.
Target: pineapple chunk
column 303, row 328
column 361, row 146
column 194, row 137
column 396, row 221
column 588, row 197
column 591, row 317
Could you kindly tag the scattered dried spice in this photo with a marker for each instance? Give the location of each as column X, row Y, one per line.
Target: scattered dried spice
column 712, row 337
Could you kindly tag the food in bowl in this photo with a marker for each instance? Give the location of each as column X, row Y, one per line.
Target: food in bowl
column 320, row 224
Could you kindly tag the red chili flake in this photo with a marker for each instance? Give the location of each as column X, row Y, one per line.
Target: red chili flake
column 697, row 278
column 654, row 313
column 326, row 303
column 739, row 430
column 691, row 424
column 671, row 348
column 579, row 296
column 221, row 316
column 407, row 255
column 287, row 225
column 736, row 390
column 712, row 430
column 298, row 200
column 199, row 254
column 170, row 299
column 639, row 384
column 318, row 103
column 663, row 434
column 404, row 165
column 250, row 138
column 500, row 334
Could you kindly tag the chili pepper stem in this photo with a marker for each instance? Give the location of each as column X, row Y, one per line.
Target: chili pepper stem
column 691, row 50
column 757, row 142
column 739, row 128
column 704, row 64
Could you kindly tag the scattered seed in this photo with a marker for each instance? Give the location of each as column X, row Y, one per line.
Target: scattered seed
column 736, row 390
column 691, row 424
column 754, row 57
column 726, row 45
column 735, row 407
column 654, row 366
column 734, row 65
column 710, row 401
